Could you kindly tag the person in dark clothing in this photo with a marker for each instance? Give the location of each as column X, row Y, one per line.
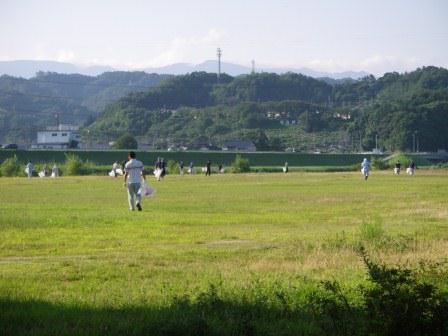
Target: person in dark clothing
column 397, row 168
column 163, row 167
column 157, row 164
column 181, row 167
column 208, row 170
column 411, row 168
column 220, row 170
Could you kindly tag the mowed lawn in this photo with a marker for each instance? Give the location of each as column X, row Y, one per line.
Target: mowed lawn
column 72, row 241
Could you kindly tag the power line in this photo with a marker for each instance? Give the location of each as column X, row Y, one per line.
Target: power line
column 74, row 99
column 32, row 81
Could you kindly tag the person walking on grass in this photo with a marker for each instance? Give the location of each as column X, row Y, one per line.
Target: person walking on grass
column 55, row 171
column 29, row 169
column 397, row 168
column 285, row 168
column 132, row 181
column 365, row 169
column 411, row 168
column 181, row 167
column 208, row 169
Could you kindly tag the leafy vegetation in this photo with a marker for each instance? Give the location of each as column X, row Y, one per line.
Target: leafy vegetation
column 198, row 158
column 126, row 141
column 27, row 106
column 240, row 165
column 405, row 112
column 402, row 111
column 10, row 167
column 74, row 166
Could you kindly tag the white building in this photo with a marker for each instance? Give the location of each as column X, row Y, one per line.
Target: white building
column 61, row 137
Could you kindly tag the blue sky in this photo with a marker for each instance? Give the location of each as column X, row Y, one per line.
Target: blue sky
column 375, row 36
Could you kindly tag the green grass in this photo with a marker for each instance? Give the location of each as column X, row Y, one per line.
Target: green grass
column 74, row 259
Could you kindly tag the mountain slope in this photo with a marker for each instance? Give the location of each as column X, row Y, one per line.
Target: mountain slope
column 284, row 109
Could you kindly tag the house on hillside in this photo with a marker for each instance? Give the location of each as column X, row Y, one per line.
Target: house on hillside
column 239, row 145
column 60, row 137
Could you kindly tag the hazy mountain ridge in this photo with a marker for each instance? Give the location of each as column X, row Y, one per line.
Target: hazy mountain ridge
column 29, row 68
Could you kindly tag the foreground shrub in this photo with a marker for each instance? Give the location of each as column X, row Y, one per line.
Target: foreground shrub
column 395, row 302
column 400, row 303
column 240, row 165
column 10, row 167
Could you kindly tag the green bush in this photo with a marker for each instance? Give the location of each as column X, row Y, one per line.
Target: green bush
column 396, row 301
column 73, row 165
column 172, row 167
column 10, row 167
column 372, row 232
column 379, row 164
column 126, row 141
column 240, row 165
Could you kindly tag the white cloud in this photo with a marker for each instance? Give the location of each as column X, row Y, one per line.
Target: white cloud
column 65, row 56
column 189, row 49
column 376, row 64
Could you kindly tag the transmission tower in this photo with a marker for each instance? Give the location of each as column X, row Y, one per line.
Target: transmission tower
column 219, row 54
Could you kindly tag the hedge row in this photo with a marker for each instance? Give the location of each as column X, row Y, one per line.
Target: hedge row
column 198, row 158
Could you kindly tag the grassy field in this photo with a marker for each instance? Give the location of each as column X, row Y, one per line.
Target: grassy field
column 75, row 260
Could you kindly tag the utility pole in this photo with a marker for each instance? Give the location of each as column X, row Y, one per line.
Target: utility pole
column 418, row 149
column 253, row 66
column 219, row 54
column 413, row 142
column 376, row 142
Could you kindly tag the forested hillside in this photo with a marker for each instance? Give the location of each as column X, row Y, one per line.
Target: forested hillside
column 27, row 105
column 290, row 110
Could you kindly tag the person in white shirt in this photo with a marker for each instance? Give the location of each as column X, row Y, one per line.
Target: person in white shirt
column 132, row 181
column 55, row 171
column 365, row 168
column 29, row 169
column 114, row 168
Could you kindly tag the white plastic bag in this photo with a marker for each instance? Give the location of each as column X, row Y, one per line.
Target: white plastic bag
column 41, row 174
column 146, row 190
column 111, row 173
column 158, row 173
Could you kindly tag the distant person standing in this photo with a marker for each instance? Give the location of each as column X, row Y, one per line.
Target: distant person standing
column 163, row 167
column 190, row 168
column 181, row 167
column 114, row 168
column 158, row 169
column 132, row 181
column 55, row 171
column 365, row 169
column 285, row 168
column 45, row 170
column 29, row 169
column 208, row 168
column 411, row 168
column 220, row 168
column 397, row 168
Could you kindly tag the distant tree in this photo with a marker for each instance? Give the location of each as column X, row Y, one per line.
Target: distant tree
column 126, row 141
